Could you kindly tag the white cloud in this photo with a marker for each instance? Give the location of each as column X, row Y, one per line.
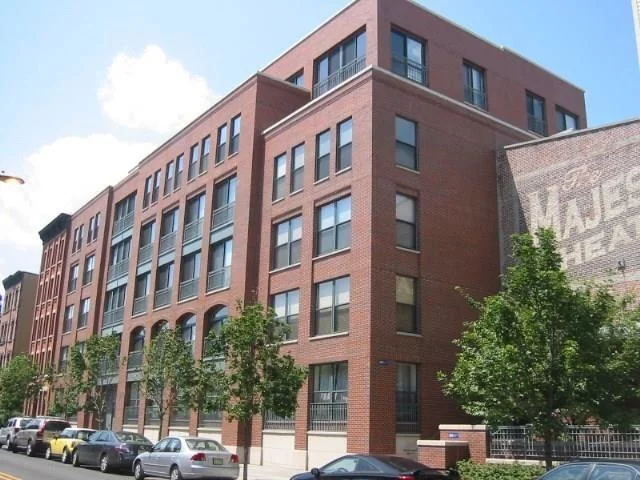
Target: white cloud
column 153, row 92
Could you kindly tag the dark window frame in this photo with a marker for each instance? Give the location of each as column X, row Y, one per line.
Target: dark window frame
column 415, row 327
column 297, row 173
column 289, row 318
column 279, row 181
column 234, row 136
column 335, row 227
column 471, row 92
column 403, row 144
column 290, row 245
column 534, row 122
column 415, row 245
column 221, row 143
column 347, row 147
column 335, row 308
column 321, row 160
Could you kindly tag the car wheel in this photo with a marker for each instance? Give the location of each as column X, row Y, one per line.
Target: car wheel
column 29, row 451
column 104, row 463
column 12, row 447
column 175, row 473
column 75, row 459
column 47, row 453
column 65, row 456
column 138, row 472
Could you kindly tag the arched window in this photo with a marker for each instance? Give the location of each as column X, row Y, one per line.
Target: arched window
column 187, row 328
column 136, row 341
column 216, row 317
column 158, row 327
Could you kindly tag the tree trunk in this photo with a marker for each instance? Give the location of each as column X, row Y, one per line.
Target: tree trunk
column 246, row 447
column 548, row 452
column 161, row 424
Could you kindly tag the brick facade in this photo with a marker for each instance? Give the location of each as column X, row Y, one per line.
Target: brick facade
column 17, row 314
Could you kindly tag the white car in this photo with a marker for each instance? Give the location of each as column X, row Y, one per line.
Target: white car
column 13, row 426
column 188, row 458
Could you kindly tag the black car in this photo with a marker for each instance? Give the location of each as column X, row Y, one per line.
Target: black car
column 110, row 450
column 599, row 469
column 376, row 467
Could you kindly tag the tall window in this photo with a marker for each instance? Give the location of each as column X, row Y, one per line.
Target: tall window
column 475, row 91
column 169, row 222
column 406, row 222
column 179, row 170
column 323, row 149
column 406, row 143
column 143, row 286
column 193, row 161
column 187, row 328
column 330, row 383
column 234, row 141
column 340, row 63
column 147, row 233
column 332, row 306
column 64, row 359
column 190, row 267
column 85, row 307
column 195, row 209
column 115, row 299
column 120, row 252
column 406, row 298
column 68, row 319
column 164, row 277
column 124, row 209
column 73, row 278
column 297, row 78
column 156, row 186
column 334, row 226
column 224, row 201
column 76, row 240
column 408, row 57
column 297, row 168
column 287, row 307
column 406, row 397
column 146, row 198
column 169, row 173
column 204, row 158
column 80, row 235
column 96, row 226
column 279, row 176
column 222, row 144
column 536, row 114
column 89, row 266
column 92, row 222
column 288, row 238
column 344, row 145
column 220, row 257
column 565, row 120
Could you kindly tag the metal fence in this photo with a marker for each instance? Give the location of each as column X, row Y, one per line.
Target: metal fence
column 520, row 442
column 275, row 422
column 328, row 417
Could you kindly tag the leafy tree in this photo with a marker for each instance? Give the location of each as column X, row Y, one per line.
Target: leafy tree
column 68, row 385
column 256, row 377
column 540, row 351
column 100, row 359
column 19, row 381
column 167, row 373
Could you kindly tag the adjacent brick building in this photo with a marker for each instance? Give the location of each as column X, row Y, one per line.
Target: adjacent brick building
column 351, row 185
column 17, row 314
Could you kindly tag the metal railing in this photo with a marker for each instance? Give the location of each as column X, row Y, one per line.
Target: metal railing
column 220, row 278
column 476, row 97
column 407, row 68
column 339, row 76
column 192, row 231
column 113, row 317
column 188, row 289
column 121, row 224
column 536, row 124
column 167, row 243
column 407, row 412
column 275, row 422
column 162, row 297
column 108, row 368
column 140, row 305
column 328, row 417
column 144, row 253
column 520, row 442
column 118, row 270
column 131, row 414
column 134, row 360
column 223, row 215
column 210, row 419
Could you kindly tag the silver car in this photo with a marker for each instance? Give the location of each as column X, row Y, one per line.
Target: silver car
column 13, row 426
column 187, row 457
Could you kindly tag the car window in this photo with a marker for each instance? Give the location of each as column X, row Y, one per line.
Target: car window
column 55, row 426
column 94, row 437
column 84, row 434
column 34, row 424
column 205, row 445
column 612, row 472
column 130, row 437
column 174, row 445
column 11, row 422
column 22, row 423
column 66, row 433
column 344, row 464
column 569, row 472
column 161, row 445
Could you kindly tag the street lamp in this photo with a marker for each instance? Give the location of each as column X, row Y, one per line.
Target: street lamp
column 10, row 179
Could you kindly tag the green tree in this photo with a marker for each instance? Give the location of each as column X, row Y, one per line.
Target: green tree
column 256, row 378
column 539, row 351
column 68, row 385
column 101, row 359
column 19, row 382
column 168, row 373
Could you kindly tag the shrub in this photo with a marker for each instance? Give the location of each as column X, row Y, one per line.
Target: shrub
column 475, row 471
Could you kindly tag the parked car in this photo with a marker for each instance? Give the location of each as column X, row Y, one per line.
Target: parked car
column 599, row 469
column 376, row 467
column 34, row 438
column 9, row 430
column 110, row 450
column 193, row 458
column 62, row 445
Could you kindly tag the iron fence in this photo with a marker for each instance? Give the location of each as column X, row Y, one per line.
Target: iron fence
column 144, row 253
column 275, row 422
column 220, row 278
column 475, row 96
column 210, row 419
column 223, row 215
column 339, row 76
column 192, row 231
column 122, row 224
column 328, row 417
column 537, row 124
column 410, row 69
column 167, row 243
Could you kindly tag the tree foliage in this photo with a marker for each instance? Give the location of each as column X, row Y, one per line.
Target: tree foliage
column 68, row 385
column 544, row 351
column 19, row 381
column 101, row 359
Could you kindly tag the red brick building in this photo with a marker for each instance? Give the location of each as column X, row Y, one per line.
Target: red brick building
column 351, row 185
column 17, row 314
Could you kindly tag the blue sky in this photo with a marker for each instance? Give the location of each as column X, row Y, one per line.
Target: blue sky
column 56, row 58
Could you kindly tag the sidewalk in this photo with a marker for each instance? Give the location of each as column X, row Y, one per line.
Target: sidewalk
column 262, row 472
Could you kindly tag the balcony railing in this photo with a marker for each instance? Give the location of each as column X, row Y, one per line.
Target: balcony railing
column 339, row 76
column 328, row 417
column 140, row 305
column 108, row 368
column 210, row 419
column 192, row 231
column 274, row 422
column 162, row 297
column 188, row 289
column 121, row 224
column 167, row 243
column 407, row 68
column 204, row 163
column 407, row 412
column 536, row 124
column 144, row 253
column 118, row 270
column 220, row 278
column 134, row 360
column 179, row 417
column 131, row 414
column 476, row 97
column 223, row 215
column 113, row 317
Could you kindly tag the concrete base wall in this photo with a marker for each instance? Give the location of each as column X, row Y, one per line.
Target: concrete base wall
column 407, row 445
column 278, row 449
column 324, row 447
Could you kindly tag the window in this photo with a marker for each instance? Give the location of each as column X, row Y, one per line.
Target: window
column 279, row 174
column 536, row 114
column 220, row 257
column 156, row 186
column 193, row 161
column 475, row 92
column 85, row 307
column 287, row 306
column 80, row 235
column 565, row 472
column 287, row 240
column 164, row 278
column 323, row 147
column 406, row 222
column 120, row 252
column 169, row 222
column 90, row 234
column 206, row 149
column 140, row 292
column 169, row 173
column 408, row 57
column 565, row 120
column 147, row 233
column 76, row 240
column 330, row 383
column 222, row 144
column 297, row 168
column 62, row 365
column 187, row 328
column 406, row 397
column 344, row 145
column 115, row 299
column 73, row 278
column 224, row 201
column 67, row 322
column 89, row 266
column 234, row 143
column 406, row 299
column 332, row 306
column 340, row 63
column 146, row 198
column 194, row 210
column 179, row 170
column 123, row 214
column 96, row 226
column 334, row 226
column 406, row 141
column 297, row 78
column 190, row 267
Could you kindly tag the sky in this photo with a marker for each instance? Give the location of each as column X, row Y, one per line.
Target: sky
column 87, row 89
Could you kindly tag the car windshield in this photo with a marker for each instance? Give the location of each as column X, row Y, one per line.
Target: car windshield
column 131, row 437
column 403, row 464
column 84, row 434
column 205, row 445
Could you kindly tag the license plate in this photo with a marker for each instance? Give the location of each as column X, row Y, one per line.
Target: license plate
column 217, row 461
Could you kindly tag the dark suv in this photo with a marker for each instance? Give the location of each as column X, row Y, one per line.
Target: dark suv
column 35, row 437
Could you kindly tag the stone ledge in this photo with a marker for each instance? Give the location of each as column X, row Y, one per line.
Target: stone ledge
column 463, row 427
column 442, row 443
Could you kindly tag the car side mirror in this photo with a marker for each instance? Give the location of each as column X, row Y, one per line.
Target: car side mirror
column 315, row 472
